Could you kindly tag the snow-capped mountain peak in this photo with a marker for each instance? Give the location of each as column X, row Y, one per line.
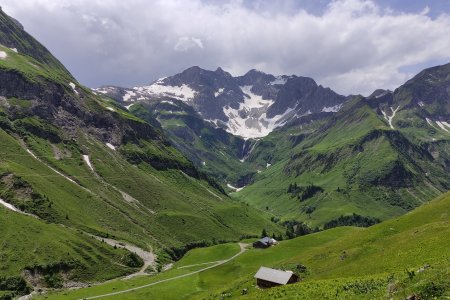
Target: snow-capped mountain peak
column 250, row 106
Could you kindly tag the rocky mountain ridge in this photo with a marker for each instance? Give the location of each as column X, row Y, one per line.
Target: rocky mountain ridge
column 249, row 106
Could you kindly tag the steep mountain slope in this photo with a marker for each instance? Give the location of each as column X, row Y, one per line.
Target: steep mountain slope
column 51, row 255
column 71, row 158
column 378, row 156
column 212, row 117
column 422, row 105
column 211, row 149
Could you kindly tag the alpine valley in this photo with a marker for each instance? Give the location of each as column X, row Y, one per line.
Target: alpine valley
column 156, row 191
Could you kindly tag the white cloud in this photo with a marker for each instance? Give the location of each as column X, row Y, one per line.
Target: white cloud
column 186, row 43
column 353, row 46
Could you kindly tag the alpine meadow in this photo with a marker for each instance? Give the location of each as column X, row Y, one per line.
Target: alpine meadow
column 223, row 181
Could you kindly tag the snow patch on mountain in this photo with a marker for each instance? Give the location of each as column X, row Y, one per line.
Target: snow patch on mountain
column 168, row 101
column 128, row 96
column 214, row 122
column 391, row 117
column 382, row 94
column 250, row 119
column 73, row 86
column 334, row 109
column 3, row 55
column 248, row 152
column 306, row 114
column 241, row 112
column 110, row 146
column 8, row 206
column 279, row 80
column 88, row 162
column 219, row 92
column 158, row 88
column 235, row 188
column 442, row 125
column 253, row 100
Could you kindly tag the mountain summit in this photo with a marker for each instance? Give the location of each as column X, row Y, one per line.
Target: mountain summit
column 250, row 106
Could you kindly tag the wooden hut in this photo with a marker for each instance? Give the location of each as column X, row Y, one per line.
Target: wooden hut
column 267, row 277
column 265, row 242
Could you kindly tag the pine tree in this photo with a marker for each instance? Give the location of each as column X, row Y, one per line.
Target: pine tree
column 264, row 233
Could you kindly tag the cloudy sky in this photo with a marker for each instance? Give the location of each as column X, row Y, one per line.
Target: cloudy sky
column 352, row 46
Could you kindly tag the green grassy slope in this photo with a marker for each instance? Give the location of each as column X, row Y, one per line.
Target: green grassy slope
column 45, row 252
column 143, row 191
column 361, row 165
column 185, row 209
column 60, row 244
column 212, row 150
column 352, row 263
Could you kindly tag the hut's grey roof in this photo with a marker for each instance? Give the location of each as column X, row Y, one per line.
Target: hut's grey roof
column 272, row 275
column 265, row 241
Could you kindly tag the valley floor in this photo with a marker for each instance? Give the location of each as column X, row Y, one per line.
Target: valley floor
column 395, row 259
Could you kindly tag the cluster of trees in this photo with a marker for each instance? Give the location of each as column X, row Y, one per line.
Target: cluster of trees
column 17, row 285
column 20, row 194
column 176, row 253
column 352, row 220
column 295, row 228
column 303, row 192
column 275, row 219
column 278, row 237
column 132, row 260
column 308, row 209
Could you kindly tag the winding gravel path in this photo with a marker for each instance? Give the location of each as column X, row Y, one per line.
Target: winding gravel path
column 149, row 258
column 241, row 245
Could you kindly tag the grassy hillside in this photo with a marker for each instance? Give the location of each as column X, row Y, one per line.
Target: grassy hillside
column 356, row 161
column 352, row 162
column 52, row 255
column 77, row 166
column 167, row 204
column 344, row 263
column 212, row 150
column 72, row 158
